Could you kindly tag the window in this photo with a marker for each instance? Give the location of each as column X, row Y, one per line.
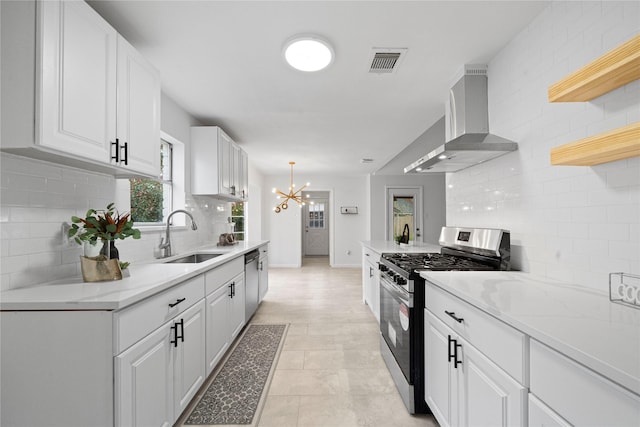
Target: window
column 237, row 217
column 316, row 216
column 151, row 200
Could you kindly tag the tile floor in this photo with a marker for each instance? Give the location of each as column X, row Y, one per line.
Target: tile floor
column 330, row 372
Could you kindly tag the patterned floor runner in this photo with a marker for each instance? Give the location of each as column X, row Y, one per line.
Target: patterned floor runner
column 234, row 394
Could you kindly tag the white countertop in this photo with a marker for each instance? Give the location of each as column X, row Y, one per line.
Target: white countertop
column 145, row 279
column 579, row 322
column 387, row 246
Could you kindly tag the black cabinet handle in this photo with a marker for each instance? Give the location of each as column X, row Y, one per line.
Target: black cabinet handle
column 450, row 353
column 456, row 362
column 181, row 336
column 178, row 335
column 453, row 315
column 115, row 156
column 178, row 301
column 453, row 355
column 233, row 289
column 125, row 158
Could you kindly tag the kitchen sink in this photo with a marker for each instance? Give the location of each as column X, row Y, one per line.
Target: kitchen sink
column 193, row 258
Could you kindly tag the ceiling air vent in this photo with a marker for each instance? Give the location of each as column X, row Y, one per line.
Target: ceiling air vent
column 385, row 61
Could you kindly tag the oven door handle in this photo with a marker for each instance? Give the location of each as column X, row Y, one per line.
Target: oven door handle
column 406, row 299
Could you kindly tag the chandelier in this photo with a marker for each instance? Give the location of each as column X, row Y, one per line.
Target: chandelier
column 296, row 196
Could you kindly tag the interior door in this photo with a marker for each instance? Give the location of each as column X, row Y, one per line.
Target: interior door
column 316, row 226
column 404, row 209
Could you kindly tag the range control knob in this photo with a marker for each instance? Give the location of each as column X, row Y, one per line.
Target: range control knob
column 402, row 281
column 383, row 267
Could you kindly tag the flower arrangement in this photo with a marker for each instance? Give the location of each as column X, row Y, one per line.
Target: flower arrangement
column 106, row 224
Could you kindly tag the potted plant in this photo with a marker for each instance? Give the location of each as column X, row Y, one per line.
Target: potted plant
column 100, row 228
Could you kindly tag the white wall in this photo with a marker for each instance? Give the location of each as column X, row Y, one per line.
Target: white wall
column 575, row 224
column 253, row 208
column 38, row 197
column 284, row 229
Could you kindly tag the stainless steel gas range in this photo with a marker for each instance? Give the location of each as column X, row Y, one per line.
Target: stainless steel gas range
column 402, row 292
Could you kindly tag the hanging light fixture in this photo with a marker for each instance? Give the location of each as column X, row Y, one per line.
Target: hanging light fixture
column 292, row 195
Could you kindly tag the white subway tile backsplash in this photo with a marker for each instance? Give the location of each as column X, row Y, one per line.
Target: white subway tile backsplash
column 21, row 182
column 13, row 197
column 626, row 250
column 607, row 231
column 27, row 214
column 629, row 214
column 610, row 196
column 573, row 223
column 38, row 197
column 623, row 177
column 14, row 264
column 586, row 247
column 589, row 214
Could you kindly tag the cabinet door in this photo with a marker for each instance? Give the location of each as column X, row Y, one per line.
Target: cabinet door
column 144, row 381
column 217, row 331
column 189, row 360
column 237, row 305
column 375, row 291
column 236, row 180
column 225, row 159
column 138, row 112
column 244, row 176
column 77, row 108
column 366, row 279
column 369, row 278
column 437, row 372
column 540, row 415
column 487, row 395
column 263, row 278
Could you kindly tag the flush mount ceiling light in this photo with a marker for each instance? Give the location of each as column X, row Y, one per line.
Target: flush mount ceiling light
column 308, row 53
column 294, row 195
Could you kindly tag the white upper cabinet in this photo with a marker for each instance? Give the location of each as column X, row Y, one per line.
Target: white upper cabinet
column 75, row 92
column 78, row 80
column 218, row 165
column 138, row 123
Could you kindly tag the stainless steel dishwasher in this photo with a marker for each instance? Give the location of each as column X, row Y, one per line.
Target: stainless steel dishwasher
column 251, row 275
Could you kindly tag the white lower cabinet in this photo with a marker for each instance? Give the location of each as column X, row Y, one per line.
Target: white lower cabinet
column 157, row 377
column 225, row 306
column 488, row 395
column 463, row 387
column 577, row 394
column 218, row 336
column 144, row 374
column 371, row 281
column 189, row 370
column 263, row 275
column 439, row 376
column 540, row 415
column 237, row 303
column 138, row 366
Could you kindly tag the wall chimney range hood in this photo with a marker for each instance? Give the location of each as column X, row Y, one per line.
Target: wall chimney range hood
column 468, row 141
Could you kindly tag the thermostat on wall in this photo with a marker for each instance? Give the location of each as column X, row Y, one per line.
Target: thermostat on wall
column 348, row 209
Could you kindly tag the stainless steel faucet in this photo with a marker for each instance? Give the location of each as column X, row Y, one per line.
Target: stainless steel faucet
column 165, row 243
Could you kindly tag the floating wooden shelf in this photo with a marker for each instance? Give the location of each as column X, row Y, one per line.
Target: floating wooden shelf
column 606, row 147
column 611, row 71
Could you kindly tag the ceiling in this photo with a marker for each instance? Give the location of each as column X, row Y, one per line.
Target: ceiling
column 222, row 62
